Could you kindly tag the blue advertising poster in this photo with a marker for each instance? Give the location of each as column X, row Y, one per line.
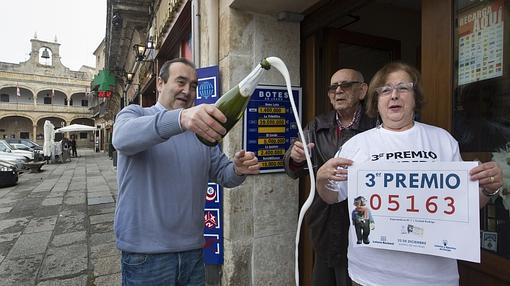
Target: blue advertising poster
column 213, row 228
column 270, row 126
column 208, row 92
column 208, row 88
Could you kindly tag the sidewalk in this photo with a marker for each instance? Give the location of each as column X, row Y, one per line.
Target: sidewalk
column 56, row 227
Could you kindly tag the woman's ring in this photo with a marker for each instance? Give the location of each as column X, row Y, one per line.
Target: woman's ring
column 491, row 179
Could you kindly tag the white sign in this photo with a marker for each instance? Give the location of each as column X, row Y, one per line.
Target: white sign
column 428, row 208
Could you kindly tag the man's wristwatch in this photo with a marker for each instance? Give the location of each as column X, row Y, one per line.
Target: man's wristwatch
column 488, row 194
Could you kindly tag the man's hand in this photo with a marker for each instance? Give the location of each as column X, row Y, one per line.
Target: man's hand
column 297, row 153
column 246, row 163
column 204, row 120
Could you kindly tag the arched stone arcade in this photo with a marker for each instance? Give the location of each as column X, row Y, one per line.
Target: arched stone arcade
column 16, row 126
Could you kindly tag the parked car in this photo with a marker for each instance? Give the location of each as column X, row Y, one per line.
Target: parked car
column 26, row 142
column 16, row 159
column 6, row 147
column 19, row 146
column 38, row 154
column 8, row 174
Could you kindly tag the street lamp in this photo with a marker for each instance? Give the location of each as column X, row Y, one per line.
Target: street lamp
column 129, row 77
column 140, row 52
column 150, row 43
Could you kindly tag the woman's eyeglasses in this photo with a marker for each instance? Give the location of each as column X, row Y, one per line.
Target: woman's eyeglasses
column 401, row 88
column 345, row 85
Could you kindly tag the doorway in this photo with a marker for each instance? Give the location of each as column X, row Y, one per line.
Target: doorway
column 365, row 36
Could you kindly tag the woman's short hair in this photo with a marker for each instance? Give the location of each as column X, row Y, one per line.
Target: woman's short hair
column 379, row 79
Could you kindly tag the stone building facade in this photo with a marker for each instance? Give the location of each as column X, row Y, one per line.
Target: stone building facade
column 314, row 38
column 259, row 217
column 41, row 89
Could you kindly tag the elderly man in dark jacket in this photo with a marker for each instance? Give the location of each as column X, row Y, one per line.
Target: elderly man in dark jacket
column 329, row 223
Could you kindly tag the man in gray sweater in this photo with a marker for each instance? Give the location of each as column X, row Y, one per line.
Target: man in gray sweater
column 162, row 174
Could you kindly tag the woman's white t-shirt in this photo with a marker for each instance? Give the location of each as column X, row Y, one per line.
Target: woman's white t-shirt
column 421, row 143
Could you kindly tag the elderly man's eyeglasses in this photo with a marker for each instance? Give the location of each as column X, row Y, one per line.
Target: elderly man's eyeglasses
column 401, row 88
column 345, row 85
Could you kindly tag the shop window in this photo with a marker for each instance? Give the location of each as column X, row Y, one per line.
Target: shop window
column 83, row 135
column 47, row 100
column 24, row 135
column 481, row 117
column 84, row 102
column 4, row 98
column 185, row 47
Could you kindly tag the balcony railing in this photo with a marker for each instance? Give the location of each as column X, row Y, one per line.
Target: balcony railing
column 28, row 107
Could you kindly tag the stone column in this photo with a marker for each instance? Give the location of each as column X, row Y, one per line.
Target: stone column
column 260, row 216
column 34, row 128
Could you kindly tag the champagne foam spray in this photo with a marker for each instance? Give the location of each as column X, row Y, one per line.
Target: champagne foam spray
column 280, row 66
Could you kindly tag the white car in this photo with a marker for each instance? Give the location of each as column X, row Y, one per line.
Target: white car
column 16, row 159
column 19, row 146
column 6, row 147
column 38, row 154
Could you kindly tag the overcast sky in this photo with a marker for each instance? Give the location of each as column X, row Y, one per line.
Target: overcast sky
column 78, row 24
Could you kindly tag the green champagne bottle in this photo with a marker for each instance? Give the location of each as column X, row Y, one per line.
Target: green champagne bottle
column 233, row 103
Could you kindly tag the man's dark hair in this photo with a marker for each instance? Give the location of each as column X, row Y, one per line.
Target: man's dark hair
column 164, row 72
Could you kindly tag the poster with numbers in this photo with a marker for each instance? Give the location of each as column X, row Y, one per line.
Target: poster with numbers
column 480, row 42
column 427, row 208
column 270, row 125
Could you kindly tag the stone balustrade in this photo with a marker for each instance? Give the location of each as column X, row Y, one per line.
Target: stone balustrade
column 26, row 107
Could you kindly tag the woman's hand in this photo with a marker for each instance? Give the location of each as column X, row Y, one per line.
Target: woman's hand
column 489, row 175
column 490, row 178
column 333, row 170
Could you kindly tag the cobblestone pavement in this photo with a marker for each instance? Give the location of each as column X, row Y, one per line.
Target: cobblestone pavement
column 56, row 226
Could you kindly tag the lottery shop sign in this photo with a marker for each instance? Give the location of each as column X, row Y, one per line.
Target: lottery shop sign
column 428, row 208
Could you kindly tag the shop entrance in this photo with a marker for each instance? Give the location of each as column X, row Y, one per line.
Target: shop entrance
column 364, row 37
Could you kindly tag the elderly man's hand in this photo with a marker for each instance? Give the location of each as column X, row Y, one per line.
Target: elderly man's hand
column 297, row 153
column 204, row 120
column 246, row 163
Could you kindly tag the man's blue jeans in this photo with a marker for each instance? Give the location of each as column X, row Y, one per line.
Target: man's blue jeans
column 176, row 268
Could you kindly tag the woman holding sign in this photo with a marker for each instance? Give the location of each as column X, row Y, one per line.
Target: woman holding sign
column 394, row 95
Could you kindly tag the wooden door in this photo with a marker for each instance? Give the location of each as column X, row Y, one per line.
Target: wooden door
column 324, row 53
